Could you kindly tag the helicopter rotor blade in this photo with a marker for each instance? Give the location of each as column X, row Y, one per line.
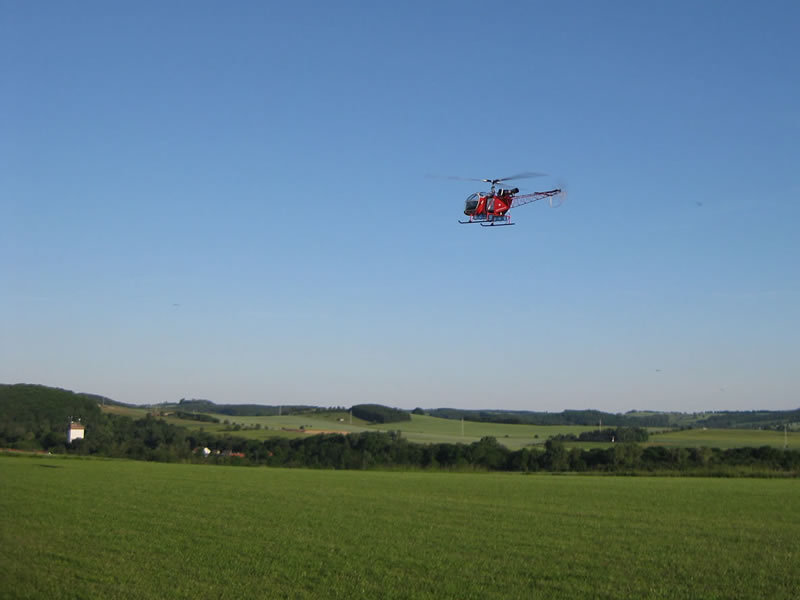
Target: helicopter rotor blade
column 524, row 175
column 453, row 177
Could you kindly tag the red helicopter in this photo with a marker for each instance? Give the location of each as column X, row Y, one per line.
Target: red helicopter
column 491, row 208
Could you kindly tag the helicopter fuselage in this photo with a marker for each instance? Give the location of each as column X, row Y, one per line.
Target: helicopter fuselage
column 489, row 203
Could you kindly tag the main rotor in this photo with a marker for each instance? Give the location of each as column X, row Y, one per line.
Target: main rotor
column 494, row 182
column 525, row 175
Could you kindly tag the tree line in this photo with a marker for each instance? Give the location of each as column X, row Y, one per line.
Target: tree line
column 377, row 413
column 617, row 434
column 153, row 439
column 33, row 420
column 241, row 410
column 390, row 450
column 566, row 417
column 747, row 419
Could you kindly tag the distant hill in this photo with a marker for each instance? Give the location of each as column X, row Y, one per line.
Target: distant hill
column 377, row 413
column 17, row 398
column 33, row 416
column 36, row 417
column 104, row 400
column 374, row 413
column 717, row 420
column 756, row 419
column 239, row 410
column 566, row 417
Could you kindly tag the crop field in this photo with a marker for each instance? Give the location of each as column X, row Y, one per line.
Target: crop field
column 726, row 438
column 426, row 430
column 72, row 528
column 420, row 429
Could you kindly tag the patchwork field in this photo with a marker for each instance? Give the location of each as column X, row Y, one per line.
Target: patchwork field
column 72, row 528
column 420, row 428
column 425, row 429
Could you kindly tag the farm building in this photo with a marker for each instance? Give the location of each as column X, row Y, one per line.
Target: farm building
column 75, row 431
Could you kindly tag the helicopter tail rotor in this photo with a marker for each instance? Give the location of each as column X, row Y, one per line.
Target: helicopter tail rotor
column 559, row 199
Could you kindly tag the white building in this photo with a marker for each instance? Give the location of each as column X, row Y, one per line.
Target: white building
column 75, row 432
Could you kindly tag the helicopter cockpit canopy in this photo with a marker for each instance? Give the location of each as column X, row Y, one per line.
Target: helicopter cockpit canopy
column 471, row 205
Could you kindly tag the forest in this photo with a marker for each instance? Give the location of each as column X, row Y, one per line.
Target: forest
column 376, row 413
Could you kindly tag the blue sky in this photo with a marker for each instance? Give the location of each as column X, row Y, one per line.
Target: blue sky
column 229, row 201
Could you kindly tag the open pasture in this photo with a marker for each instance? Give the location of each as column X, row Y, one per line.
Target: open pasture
column 725, row 438
column 427, row 430
column 104, row 528
column 420, row 429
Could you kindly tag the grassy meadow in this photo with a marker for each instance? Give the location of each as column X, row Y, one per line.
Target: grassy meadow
column 421, row 428
column 726, row 438
column 88, row 528
column 425, row 430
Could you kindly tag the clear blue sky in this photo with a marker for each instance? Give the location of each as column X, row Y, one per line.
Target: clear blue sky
column 229, row 201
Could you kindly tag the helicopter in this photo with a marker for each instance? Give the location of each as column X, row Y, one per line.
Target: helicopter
column 491, row 209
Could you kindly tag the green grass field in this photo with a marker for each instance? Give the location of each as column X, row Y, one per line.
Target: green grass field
column 420, row 429
column 426, row 430
column 72, row 528
column 725, row 438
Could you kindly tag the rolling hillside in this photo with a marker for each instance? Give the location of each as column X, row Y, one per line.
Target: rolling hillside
column 31, row 415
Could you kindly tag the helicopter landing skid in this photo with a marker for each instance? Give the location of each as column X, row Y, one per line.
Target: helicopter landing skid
column 491, row 222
